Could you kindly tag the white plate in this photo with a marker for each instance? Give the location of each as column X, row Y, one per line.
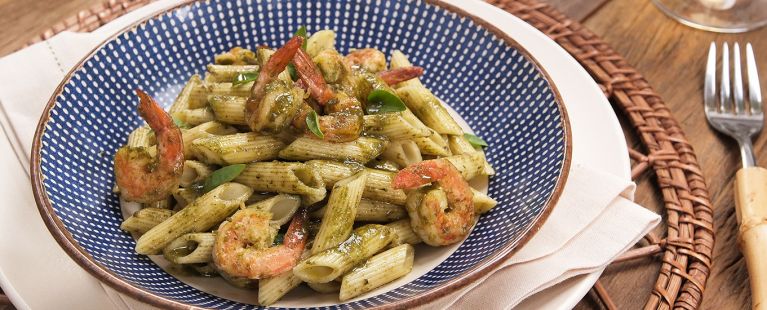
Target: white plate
column 36, row 273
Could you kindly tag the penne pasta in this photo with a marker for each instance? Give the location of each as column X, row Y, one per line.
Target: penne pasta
column 228, row 109
column 190, row 97
column 201, row 215
column 141, row 137
column 399, row 60
column 145, row 219
column 429, row 109
column 281, row 177
column 378, row 185
column 362, row 150
column 282, row 207
column 434, row 144
column 482, row 202
column 194, row 117
column 194, row 248
column 330, row 264
column 227, row 73
column 228, row 89
column 325, row 288
column 470, row 165
column 238, row 148
column 372, row 211
column 184, row 196
column 203, row 130
column 338, row 219
column 270, row 290
column 402, row 152
column 380, row 269
column 320, row 41
column 403, row 232
column 395, row 126
column 194, row 172
column 459, row 145
column 160, row 204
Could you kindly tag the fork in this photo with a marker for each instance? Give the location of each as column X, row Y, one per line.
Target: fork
column 731, row 116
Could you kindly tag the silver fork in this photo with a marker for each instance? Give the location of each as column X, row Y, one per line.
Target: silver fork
column 731, row 116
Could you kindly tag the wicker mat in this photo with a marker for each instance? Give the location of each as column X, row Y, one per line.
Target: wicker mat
column 685, row 251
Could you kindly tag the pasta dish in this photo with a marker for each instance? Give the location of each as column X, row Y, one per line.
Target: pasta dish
column 301, row 165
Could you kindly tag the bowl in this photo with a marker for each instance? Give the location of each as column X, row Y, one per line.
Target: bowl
column 497, row 88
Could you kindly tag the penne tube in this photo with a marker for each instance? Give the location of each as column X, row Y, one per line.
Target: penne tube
column 282, row 177
column 338, row 218
column 192, row 248
column 325, row 288
column 380, row 269
column 227, row 73
column 361, row 150
column 402, row 152
column 403, row 232
column 184, row 196
column 160, row 204
column 320, row 41
column 377, row 187
column 482, row 202
column 238, row 148
column 395, row 126
column 459, row 145
column 228, row 109
column 263, row 54
column 372, row 211
column 228, row 89
column 201, row 215
column 190, row 97
column 203, row 130
column 429, row 109
column 470, row 165
column 282, row 207
column 194, row 172
column 143, row 220
column 270, row 290
column 434, row 144
column 194, row 117
column 330, row 264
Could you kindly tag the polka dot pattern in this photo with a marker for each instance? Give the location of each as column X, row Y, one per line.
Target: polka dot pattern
column 497, row 89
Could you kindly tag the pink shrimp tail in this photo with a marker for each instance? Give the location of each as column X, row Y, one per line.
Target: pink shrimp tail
column 312, row 78
column 399, row 75
column 419, row 174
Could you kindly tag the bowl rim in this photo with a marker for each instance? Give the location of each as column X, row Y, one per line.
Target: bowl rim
column 64, row 238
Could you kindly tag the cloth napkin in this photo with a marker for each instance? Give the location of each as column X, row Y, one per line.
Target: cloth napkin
column 593, row 222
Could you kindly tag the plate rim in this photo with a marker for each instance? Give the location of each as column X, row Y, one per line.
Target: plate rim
column 64, row 238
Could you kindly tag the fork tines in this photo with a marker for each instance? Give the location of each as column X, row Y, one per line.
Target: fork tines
column 731, row 97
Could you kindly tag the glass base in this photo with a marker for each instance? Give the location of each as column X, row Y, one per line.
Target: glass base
column 717, row 15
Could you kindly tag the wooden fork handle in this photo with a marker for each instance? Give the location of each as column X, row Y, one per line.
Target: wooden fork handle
column 751, row 208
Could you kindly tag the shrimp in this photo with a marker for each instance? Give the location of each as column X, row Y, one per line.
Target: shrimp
column 370, row 59
column 142, row 178
column 257, row 113
column 399, row 75
column 312, row 78
column 242, row 247
column 442, row 214
column 342, row 123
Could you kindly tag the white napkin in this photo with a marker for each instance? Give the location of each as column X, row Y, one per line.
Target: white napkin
column 593, row 222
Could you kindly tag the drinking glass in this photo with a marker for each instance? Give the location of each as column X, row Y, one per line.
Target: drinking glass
column 717, row 15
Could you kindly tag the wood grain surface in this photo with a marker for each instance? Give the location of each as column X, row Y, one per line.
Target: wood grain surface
column 671, row 56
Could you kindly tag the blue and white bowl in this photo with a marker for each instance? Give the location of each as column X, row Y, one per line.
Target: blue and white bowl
column 492, row 82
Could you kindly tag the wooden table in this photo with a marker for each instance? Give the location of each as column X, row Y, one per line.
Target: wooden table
column 671, row 56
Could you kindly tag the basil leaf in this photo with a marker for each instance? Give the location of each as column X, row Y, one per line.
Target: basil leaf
column 474, row 140
column 313, row 122
column 383, row 101
column 179, row 123
column 222, row 176
column 293, row 72
column 302, row 33
column 244, row 77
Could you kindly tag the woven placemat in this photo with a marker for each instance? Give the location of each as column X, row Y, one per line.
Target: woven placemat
column 686, row 248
